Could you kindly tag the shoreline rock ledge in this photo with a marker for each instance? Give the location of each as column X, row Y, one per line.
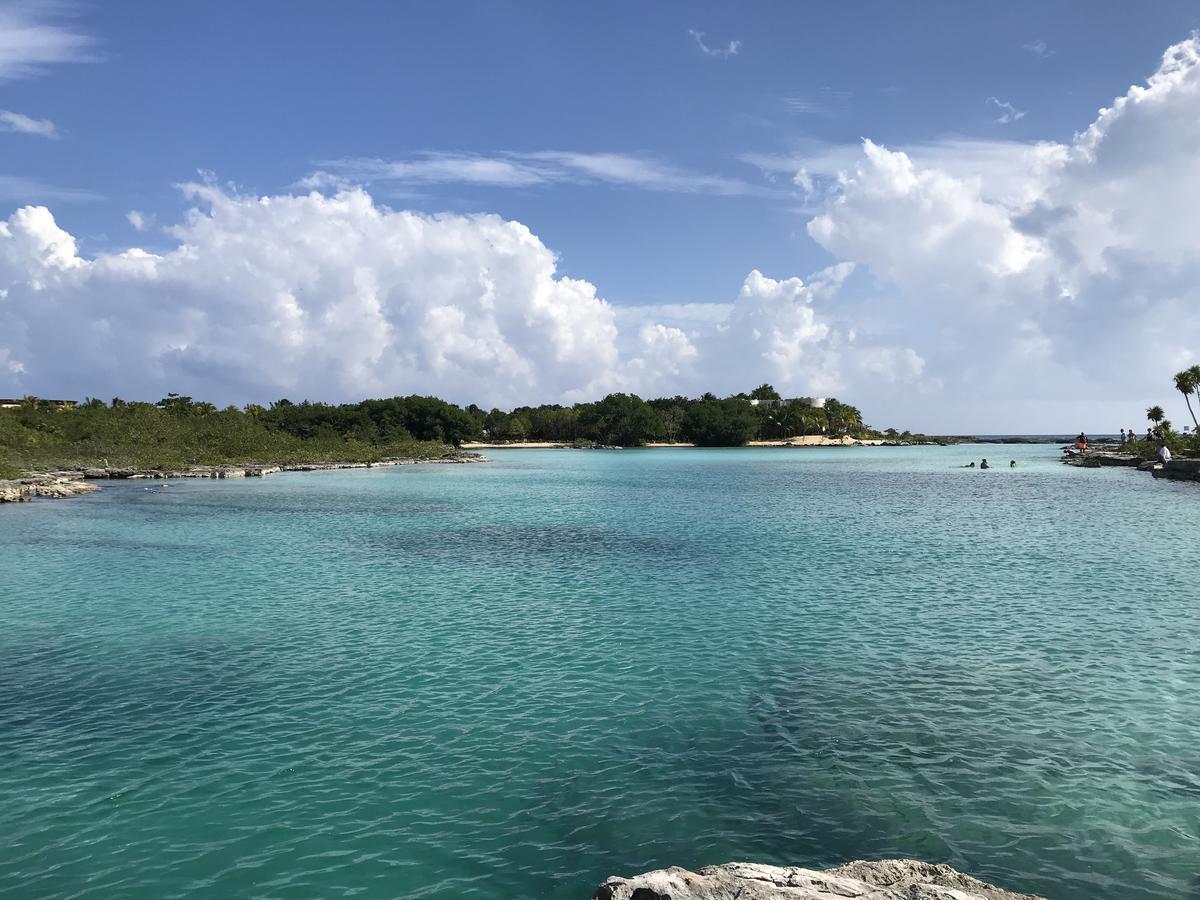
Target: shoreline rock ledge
column 889, row 879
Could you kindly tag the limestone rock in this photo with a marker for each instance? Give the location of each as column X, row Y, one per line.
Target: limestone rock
column 24, row 491
column 15, row 492
column 60, row 488
column 891, row 879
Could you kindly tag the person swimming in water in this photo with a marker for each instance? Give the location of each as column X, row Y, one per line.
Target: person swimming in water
column 1012, row 463
column 984, row 465
column 969, row 465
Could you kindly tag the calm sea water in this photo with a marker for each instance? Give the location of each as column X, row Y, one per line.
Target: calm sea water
column 516, row 679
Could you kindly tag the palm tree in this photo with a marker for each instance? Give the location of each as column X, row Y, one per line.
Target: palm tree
column 1185, row 383
column 1194, row 372
column 1156, row 415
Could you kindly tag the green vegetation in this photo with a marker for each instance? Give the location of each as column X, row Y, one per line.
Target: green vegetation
column 1187, row 383
column 629, row 421
column 178, row 431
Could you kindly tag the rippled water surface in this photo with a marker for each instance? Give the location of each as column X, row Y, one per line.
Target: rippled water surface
column 516, row 679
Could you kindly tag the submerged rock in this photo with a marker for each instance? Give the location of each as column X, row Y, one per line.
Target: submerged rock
column 889, row 879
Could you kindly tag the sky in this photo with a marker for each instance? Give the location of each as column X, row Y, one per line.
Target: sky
column 962, row 218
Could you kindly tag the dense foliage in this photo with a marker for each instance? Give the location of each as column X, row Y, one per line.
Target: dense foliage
column 180, row 431
column 628, row 420
column 177, row 432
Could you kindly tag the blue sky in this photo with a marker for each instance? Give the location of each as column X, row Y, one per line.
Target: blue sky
column 655, row 163
column 262, row 93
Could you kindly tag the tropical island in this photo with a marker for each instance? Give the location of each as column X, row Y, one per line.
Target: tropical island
column 177, row 432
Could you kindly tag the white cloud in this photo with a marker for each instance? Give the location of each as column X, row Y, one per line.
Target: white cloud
column 33, row 36
column 730, row 49
column 781, row 331
column 1007, row 112
column 516, row 170
column 21, row 124
column 303, row 296
column 1009, row 171
column 338, row 297
column 140, row 220
column 1061, row 299
column 1039, row 49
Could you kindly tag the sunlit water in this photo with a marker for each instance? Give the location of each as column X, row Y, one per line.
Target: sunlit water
column 516, row 679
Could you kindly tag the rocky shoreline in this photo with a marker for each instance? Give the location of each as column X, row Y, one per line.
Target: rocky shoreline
column 1175, row 470
column 889, row 879
column 72, row 482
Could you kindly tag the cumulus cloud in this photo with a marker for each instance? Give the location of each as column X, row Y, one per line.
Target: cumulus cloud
column 316, row 296
column 1069, row 286
column 730, row 49
column 337, row 297
column 783, row 331
column 21, row 124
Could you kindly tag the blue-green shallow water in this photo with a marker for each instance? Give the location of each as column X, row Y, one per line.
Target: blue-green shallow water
column 519, row 678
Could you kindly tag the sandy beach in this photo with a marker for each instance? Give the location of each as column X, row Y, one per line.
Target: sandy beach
column 810, row 440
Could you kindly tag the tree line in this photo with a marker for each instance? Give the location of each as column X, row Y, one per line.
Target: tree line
column 618, row 419
column 180, row 430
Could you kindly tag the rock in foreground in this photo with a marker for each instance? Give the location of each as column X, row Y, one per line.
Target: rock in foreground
column 889, row 879
column 27, row 489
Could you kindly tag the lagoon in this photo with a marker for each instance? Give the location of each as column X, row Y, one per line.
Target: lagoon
column 515, row 679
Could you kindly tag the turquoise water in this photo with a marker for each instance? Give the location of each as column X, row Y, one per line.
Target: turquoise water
column 516, row 679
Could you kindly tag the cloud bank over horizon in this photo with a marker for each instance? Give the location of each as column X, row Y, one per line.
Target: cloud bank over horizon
column 1063, row 274
column 337, row 297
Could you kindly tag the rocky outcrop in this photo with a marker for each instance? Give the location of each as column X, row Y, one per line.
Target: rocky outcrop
column 889, row 879
column 43, row 486
column 15, row 492
column 1095, row 459
column 1176, row 469
column 60, row 487
column 72, row 482
column 1179, row 470
column 258, row 471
